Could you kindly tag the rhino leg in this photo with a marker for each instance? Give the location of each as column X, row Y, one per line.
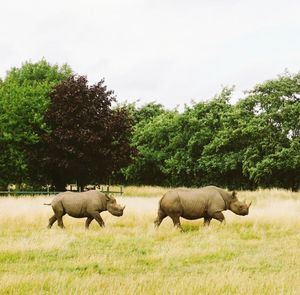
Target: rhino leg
column 59, row 212
column 88, row 221
column 51, row 221
column 97, row 217
column 207, row 221
column 60, row 221
column 219, row 216
column 176, row 221
column 160, row 216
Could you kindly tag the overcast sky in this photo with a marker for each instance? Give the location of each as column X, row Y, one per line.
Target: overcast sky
column 169, row 51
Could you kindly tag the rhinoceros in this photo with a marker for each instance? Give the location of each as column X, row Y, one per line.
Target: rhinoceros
column 207, row 202
column 87, row 204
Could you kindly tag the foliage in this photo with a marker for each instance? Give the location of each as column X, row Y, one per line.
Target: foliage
column 143, row 158
column 146, row 113
column 57, row 130
column 272, row 110
column 259, row 144
column 170, row 145
column 88, row 139
column 198, row 126
column 23, row 102
column 151, row 141
column 250, row 144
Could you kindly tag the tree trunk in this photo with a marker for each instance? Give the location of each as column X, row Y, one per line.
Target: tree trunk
column 60, row 186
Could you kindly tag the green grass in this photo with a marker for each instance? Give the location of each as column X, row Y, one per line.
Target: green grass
column 256, row 254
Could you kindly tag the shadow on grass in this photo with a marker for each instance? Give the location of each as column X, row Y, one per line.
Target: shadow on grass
column 191, row 227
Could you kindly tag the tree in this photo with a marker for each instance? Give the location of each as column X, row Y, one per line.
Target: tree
column 23, row 102
column 199, row 125
column 254, row 143
column 223, row 157
column 151, row 140
column 146, row 113
column 170, row 145
column 144, row 169
column 88, row 139
column 259, row 143
column 272, row 110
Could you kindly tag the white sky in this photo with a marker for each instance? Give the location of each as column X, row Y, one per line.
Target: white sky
column 168, row 51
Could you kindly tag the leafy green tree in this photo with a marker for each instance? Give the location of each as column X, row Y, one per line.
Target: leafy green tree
column 259, row 143
column 151, row 142
column 170, row 145
column 197, row 128
column 222, row 158
column 146, row 113
column 138, row 171
column 23, row 102
column 272, row 110
column 253, row 143
column 88, row 139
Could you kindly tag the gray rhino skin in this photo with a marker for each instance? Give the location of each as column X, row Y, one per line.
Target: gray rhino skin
column 87, row 204
column 207, row 202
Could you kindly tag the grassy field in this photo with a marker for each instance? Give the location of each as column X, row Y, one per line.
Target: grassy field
column 255, row 254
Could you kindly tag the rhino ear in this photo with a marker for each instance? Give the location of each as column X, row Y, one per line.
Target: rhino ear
column 107, row 197
column 233, row 194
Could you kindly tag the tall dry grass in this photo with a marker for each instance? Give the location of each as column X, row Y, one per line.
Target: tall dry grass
column 255, row 254
column 141, row 191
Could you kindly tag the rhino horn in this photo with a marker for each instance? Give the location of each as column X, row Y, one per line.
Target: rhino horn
column 249, row 204
column 123, row 207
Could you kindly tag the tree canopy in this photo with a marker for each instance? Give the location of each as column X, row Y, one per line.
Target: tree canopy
column 23, row 103
column 254, row 143
column 88, row 139
column 55, row 129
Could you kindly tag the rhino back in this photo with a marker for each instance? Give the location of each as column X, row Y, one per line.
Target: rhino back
column 228, row 197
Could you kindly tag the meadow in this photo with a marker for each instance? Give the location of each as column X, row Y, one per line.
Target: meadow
column 255, row 254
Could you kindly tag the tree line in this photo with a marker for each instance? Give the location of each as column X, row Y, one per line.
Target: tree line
column 56, row 128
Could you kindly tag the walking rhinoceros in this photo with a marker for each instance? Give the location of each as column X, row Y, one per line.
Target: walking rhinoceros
column 87, row 204
column 207, row 202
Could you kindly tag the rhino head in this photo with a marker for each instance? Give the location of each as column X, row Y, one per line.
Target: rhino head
column 113, row 207
column 239, row 207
